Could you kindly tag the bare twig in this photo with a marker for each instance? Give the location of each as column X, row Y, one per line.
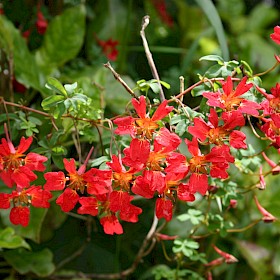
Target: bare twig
column 119, row 79
column 145, row 22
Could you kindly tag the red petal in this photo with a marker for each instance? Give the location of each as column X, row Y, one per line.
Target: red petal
column 162, row 111
column 139, row 106
column 276, row 35
column 198, row 183
column 68, row 200
column 164, row 209
column 111, row 225
column 55, row 181
column 4, row 201
column 70, row 166
column 89, row 206
column 24, row 145
column 40, row 198
column 20, row 215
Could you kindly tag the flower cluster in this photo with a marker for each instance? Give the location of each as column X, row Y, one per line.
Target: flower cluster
column 17, row 172
column 152, row 166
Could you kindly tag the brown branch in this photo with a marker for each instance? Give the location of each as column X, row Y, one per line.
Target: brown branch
column 145, row 23
column 119, row 79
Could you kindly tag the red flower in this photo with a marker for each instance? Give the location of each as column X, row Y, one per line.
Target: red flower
column 121, row 177
column 276, row 35
column 231, row 99
column 271, row 131
column 271, row 106
column 93, row 181
column 143, row 126
column 219, row 134
column 16, row 167
column 120, row 201
column 109, row 48
column 68, row 200
column 160, row 5
column 19, row 215
column 89, row 206
column 164, row 209
column 111, row 224
column 150, row 182
column 41, row 23
column 137, row 154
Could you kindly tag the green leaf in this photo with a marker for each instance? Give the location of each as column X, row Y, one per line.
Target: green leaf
column 210, row 11
column 71, row 87
column 195, row 216
column 26, row 69
column 56, row 86
column 52, row 101
column 63, row 38
column 99, row 161
column 9, row 240
column 213, row 57
column 24, row 261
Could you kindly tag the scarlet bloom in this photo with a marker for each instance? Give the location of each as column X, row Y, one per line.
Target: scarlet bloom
column 120, row 201
column 89, row 206
column 21, row 200
column 109, row 48
column 164, row 209
column 144, row 125
column 111, row 224
column 16, row 168
column 20, row 215
column 160, row 5
column 216, row 134
column 41, row 23
column 276, row 35
column 77, row 182
column 271, row 105
column 231, row 99
column 121, row 177
column 271, row 131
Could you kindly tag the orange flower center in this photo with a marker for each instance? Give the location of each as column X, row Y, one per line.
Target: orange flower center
column 146, row 127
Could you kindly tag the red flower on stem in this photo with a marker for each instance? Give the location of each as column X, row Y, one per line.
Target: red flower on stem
column 109, row 48
column 41, row 22
column 218, row 134
column 76, row 182
column 17, row 168
column 144, row 125
column 21, row 200
column 275, row 36
column 231, row 99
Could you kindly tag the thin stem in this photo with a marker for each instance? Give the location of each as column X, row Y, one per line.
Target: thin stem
column 267, row 71
column 145, row 23
column 254, row 131
column 119, row 79
column 244, row 228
